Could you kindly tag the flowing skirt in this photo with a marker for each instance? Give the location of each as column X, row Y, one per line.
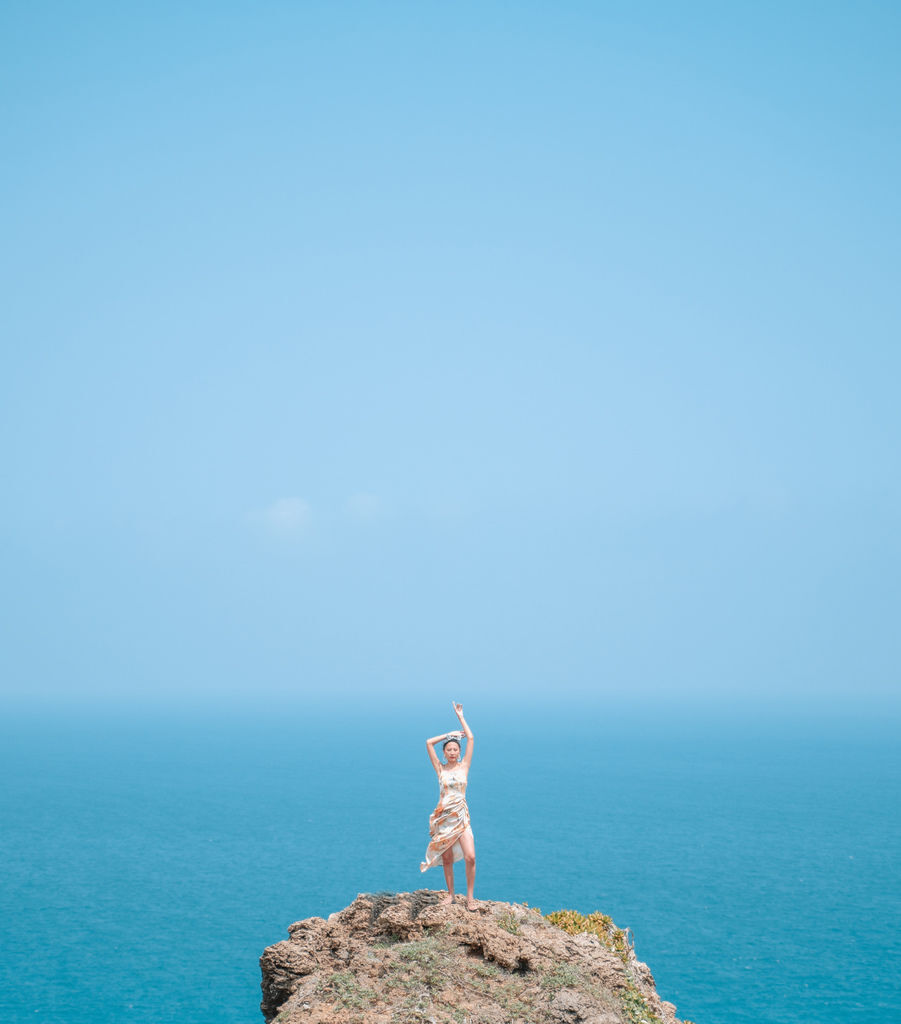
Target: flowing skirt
column 447, row 823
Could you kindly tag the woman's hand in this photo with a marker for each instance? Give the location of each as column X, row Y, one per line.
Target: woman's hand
column 459, row 709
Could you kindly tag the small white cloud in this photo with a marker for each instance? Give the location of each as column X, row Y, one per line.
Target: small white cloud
column 364, row 506
column 288, row 516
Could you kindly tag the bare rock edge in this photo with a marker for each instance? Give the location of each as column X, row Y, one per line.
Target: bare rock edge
column 400, row 958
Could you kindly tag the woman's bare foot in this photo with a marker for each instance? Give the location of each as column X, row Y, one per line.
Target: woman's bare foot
column 471, row 904
column 446, row 899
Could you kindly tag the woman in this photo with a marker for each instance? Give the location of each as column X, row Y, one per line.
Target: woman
column 451, row 833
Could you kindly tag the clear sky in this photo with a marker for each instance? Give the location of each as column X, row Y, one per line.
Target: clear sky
column 450, row 348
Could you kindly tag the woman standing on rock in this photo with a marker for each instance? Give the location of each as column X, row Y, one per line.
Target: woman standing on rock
column 449, row 827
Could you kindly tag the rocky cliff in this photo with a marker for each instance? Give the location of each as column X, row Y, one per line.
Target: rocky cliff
column 402, row 958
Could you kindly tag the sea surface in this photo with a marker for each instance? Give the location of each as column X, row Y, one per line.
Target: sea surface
column 149, row 854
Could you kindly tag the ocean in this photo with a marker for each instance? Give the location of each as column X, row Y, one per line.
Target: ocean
column 150, row 854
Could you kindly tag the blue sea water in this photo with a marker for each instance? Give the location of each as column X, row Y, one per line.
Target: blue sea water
column 148, row 856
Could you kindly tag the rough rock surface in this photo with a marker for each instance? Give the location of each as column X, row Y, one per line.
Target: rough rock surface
column 400, row 958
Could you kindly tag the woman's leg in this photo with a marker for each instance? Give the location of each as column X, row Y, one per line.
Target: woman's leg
column 447, row 859
column 467, row 842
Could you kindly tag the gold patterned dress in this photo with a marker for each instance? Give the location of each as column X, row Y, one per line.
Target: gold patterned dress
column 450, row 819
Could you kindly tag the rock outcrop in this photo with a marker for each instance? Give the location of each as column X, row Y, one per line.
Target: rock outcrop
column 400, row 958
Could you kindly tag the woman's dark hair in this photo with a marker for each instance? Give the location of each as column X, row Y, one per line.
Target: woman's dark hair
column 445, row 743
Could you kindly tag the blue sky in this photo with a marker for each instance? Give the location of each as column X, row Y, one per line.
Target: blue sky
column 465, row 348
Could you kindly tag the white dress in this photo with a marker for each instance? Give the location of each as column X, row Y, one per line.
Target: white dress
column 450, row 819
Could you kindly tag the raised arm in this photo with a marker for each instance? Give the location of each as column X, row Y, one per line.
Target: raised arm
column 430, row 744
column 467, row 759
